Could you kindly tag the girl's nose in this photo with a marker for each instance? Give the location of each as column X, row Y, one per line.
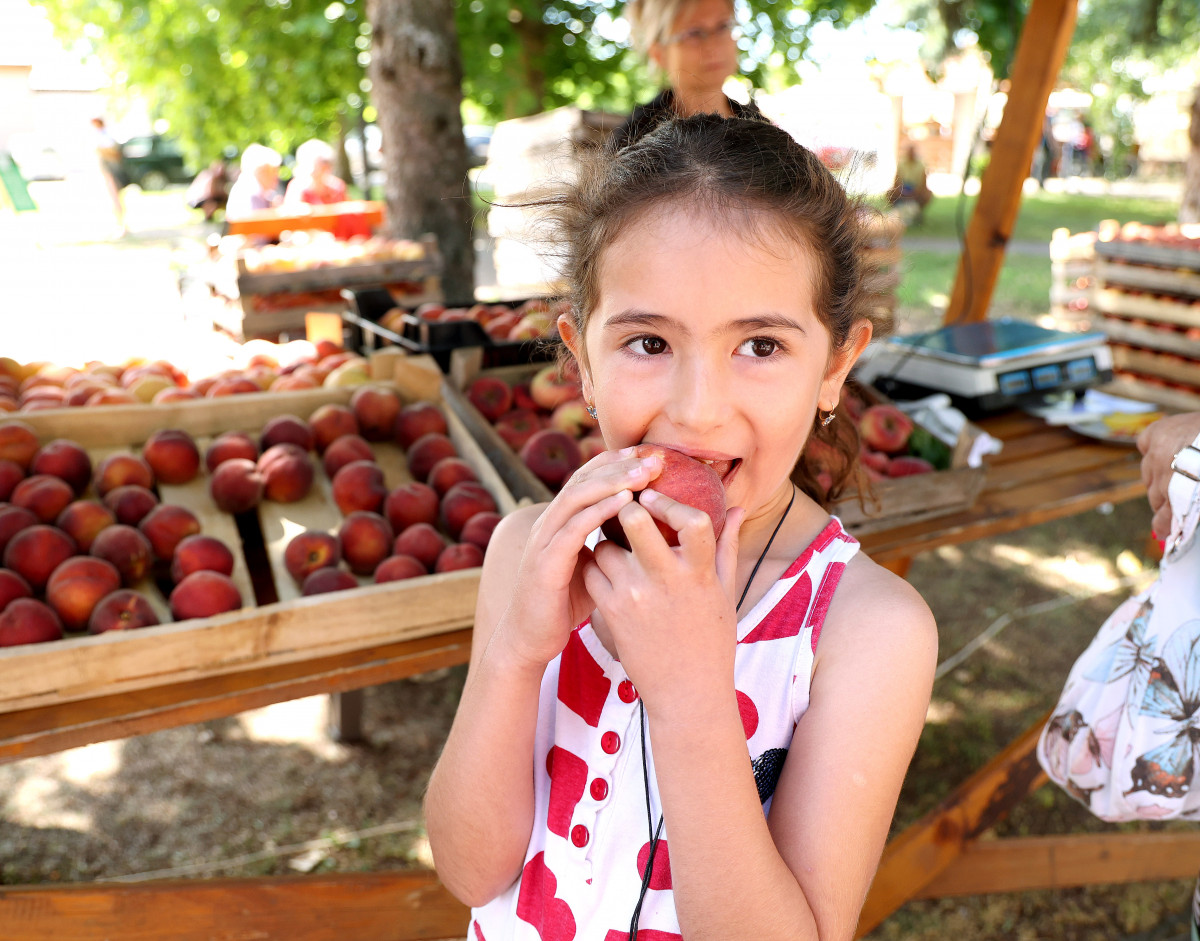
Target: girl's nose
column 701, row 397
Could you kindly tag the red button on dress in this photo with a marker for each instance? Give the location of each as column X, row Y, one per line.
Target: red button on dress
column 599, row 789
column 580, row 835
column 626, row 691
column 610, row 742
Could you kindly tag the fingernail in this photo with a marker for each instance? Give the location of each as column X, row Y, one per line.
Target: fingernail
column 648, row 496
column 627, row 452
column 652, row 461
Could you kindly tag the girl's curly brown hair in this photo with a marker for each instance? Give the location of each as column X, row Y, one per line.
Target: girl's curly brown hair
column 746, row 173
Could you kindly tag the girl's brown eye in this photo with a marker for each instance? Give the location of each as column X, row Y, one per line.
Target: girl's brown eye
column 762, row 347
column 653, row 345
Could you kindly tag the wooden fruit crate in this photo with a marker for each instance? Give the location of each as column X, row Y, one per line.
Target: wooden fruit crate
column 283, row 627
column 893, row 501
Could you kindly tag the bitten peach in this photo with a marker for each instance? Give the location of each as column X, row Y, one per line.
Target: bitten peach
column 204, row 594
column 123, row 610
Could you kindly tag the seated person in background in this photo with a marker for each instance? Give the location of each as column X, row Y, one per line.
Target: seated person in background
column 257, row 185
column 910, row 182
column 314, row 182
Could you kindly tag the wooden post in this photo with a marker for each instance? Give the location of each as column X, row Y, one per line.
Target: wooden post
column 1040, row 52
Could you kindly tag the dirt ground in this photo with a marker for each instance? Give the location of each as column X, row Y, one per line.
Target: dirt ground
column 268, row 792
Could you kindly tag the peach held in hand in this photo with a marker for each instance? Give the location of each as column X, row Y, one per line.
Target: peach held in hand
column 682, row 479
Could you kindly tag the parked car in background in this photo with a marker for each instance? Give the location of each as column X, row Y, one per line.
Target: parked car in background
column 153, row 162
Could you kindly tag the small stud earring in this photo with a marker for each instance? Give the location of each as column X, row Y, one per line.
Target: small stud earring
column 827, row 419
column 591, row 410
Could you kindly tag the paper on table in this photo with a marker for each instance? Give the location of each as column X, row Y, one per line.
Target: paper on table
column 1091, row 405
column 945, row 422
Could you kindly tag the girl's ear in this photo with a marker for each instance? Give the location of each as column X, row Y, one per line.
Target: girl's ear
column 657, row 54
column 574, row 341
column 841, row 362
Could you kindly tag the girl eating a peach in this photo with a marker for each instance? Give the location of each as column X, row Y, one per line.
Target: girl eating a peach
column 668, row 733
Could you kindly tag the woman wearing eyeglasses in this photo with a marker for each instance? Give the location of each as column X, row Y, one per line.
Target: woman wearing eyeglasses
column 693, row 43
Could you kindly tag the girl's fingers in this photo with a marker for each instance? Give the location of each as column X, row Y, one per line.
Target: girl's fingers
column 693, row 526
column 727, row 549
column 594, row 482
column 565, row 540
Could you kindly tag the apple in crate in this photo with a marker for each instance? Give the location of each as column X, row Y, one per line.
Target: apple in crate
column 200, row 553
column 128, row 549
column 552, row 455
column 230, row 444
column 287, row 429
column 885, row 428
column 550, row 387
column 12, row 587
column 123, row 610
column 397, row 568
column 366, row 540
column 682, row 479
column 421, row 541
column 204, row 594
column 18, row 443
column 43, row 495
column 459, row 555
column 409, row 504
column 236, row 486
column 166, row 526
column 325, row 580
column 76, row 587
column 491, row 395
column 119, row 469
column 172, row 455
column 130, row 503
column 426, row 451
column 27, row 621
column 376, row 409
column 311, row 550
column 66, row 460
column 330, row 422
column 359, row 486
column 35, row 552
column 82, row 520
column 346, row 450
column 417, row 420
column 287, row 472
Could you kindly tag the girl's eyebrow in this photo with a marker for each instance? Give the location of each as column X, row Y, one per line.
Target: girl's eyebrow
column 636, row 317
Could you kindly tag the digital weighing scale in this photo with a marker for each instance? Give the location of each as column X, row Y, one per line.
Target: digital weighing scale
column 989, row 365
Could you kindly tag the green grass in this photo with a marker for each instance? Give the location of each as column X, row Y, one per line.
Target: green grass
column 1023, row 290
column 1041, row 213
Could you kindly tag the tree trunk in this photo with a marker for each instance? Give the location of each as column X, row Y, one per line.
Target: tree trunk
column 416, row 86
column 1189, row 208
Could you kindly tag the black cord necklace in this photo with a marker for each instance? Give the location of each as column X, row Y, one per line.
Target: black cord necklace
column 656, row 832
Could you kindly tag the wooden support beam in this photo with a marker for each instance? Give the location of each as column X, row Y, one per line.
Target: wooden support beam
column 916, row 857
column 1063, row 862
column 378, row 906
column 1041, row 49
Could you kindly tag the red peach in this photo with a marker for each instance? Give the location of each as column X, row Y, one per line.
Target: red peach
column 130, row 503
column 375, row 408
column 35, row 553
column 330, row 422
column 491, row 395
column 27, row 621
column 287, row 429
column 522, row 399
column 199, row 553
column 43, row 495
column 422, row 542
column 325, row 580
column 479, row 528
column 885, row 428
column 18, row 442
column 311, row 550
column 123, row 610
column 366, row 540
column 416, row 420
column 396, row 568
column 172, row 455
column 174, row 394
column 112, row 397
column 12, row 587
column 204, row 594
column 82, row 520
column 127, row 548
column 552, row 455
column 359, row 486
column 460, row 555
column 236, row 486
column 166, row 526
column 345, row 450
column 12, row 520
column 907, row 465
column 518, row 426
column 426, row 451
column 64, row 459
column 116, row 470
column 231, row 385
column 461, row 502
column 228, row 445
column 550, row 387
column 450, row 471
column 411, row 503
column 76, row 587
column 287, row 473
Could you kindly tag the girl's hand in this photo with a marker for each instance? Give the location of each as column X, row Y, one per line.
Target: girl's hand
column 550, row 598
column 670, row 610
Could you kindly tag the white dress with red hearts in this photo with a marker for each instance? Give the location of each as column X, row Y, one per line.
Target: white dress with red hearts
column 587, row 854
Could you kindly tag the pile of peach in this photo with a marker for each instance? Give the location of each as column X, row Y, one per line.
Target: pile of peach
column 275, row 367
column 75, row 562
column 439, row 522
column 545, row 421
column 532, row 320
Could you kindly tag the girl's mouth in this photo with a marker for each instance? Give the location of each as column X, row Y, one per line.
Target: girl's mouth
column 725, row 469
